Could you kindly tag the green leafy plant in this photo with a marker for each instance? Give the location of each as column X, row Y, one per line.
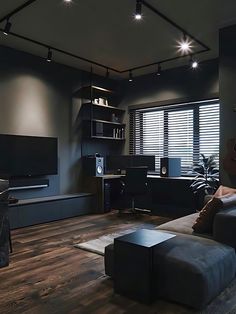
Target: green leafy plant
column 207, row 175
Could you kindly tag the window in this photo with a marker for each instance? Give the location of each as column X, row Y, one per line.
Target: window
column 183, row 131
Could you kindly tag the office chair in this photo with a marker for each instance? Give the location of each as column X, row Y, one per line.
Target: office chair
column 135, row 184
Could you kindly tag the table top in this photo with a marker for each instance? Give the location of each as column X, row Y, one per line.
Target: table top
column 149, row 176
column 145, row 237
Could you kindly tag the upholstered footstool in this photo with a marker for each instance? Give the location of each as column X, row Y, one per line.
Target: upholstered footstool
column 192, row 270
column 109, row 260
column 187, row 269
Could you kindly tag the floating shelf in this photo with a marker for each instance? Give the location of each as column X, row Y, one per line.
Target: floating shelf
column 96, row 90
column 104, row 107
column 107, row 138
column 106, row 122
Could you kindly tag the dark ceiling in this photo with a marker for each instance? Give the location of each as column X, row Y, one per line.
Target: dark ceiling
column 105, row 31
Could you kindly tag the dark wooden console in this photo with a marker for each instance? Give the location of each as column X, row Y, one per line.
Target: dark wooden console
column 29, row 212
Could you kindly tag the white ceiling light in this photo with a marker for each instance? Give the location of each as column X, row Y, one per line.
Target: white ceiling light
column 185, row 45
column 138, row 13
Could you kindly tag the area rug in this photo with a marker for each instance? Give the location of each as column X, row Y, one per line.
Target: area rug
column 98, row 245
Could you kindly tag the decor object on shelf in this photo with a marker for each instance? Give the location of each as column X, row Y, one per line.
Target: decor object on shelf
column 230, row 159
column 207, row 179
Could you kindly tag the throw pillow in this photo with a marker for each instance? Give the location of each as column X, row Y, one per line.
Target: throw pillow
column 204, row 221
column 228, row 200
column 224, row 190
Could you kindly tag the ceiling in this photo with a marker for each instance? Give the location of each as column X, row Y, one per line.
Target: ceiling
column 105, row 31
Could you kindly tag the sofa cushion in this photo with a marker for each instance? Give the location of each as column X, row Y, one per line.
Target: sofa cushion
column 180, row 225
column 224, row 190
column 224, row 227
column 192, row 270
column 204, row 221
column 109, row 260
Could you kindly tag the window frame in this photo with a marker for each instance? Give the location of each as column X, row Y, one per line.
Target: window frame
column 195, row 106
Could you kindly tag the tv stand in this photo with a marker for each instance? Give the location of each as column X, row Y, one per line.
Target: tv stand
column 34, row 211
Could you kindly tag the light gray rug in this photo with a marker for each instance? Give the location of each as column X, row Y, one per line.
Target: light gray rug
column 98, row 245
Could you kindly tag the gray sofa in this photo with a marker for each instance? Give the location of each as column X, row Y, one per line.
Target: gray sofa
column 192, row 268
column 224, row 226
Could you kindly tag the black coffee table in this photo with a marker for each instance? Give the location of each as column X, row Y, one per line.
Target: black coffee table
column 133, row 256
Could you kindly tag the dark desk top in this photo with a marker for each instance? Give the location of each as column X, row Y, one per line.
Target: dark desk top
column 150, row 176
column 145, row 238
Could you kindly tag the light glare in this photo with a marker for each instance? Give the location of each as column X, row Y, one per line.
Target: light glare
column 185, row 46
column 138, row 16
column 194, row 64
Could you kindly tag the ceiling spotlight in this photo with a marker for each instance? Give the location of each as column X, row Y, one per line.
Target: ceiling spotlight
column 49, row 57
column 138, row 12
column 130, row 76
column 107, row 73
column 185, row 45
column 159, row 69
column 193, row 63
column 7, row 28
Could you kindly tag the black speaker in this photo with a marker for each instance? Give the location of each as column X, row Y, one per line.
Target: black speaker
column 170, row 167
column 94, row 166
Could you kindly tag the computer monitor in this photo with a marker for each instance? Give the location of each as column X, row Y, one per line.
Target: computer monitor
column 121, row 162
column 144, row 160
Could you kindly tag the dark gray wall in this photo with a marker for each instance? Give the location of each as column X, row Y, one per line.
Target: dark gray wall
column 173, row 86
column 36, row 100
column 227, row 77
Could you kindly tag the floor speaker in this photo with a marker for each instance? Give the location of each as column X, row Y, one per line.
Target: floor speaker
column 170, row 167
column 94, row 166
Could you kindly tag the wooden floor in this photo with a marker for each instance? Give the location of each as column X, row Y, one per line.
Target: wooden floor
column 48, row 275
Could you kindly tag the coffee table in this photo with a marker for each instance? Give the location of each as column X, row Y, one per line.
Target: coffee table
column 133, row 256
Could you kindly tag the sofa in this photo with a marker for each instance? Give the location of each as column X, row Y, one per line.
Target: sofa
column 207, row 262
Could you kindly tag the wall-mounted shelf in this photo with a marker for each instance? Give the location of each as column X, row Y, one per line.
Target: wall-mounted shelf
column 106, row 122
column 108, row 138
column 97, row 91
column 104, row 107
column 105, row 119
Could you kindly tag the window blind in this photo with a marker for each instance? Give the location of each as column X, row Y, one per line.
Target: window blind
column 184, row 131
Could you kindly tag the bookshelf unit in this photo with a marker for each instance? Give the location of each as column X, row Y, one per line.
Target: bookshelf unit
column 101, row 119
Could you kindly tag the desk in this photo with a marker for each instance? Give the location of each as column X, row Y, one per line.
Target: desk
column 166, row 193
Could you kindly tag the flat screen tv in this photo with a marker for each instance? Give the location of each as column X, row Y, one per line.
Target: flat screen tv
column 22, row 156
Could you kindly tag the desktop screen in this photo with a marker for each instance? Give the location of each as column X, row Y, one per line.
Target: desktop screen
column 113, row 163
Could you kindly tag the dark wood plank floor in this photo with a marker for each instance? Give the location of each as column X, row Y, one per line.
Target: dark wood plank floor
column 48, row 275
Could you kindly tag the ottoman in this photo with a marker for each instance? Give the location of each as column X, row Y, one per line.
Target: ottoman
column 187, row 269
column 192, row 270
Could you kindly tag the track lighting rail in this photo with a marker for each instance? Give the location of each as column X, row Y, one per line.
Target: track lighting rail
column 91, row 62
column 17, row 10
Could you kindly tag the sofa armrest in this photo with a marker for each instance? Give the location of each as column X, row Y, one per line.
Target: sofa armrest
column 224, row 227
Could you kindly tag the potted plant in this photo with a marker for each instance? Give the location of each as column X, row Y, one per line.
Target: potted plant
column 207, row 178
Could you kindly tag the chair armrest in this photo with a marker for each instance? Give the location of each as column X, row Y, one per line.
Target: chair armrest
column 224, row 227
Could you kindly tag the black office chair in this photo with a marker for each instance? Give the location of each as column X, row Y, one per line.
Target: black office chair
column 135, row 184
